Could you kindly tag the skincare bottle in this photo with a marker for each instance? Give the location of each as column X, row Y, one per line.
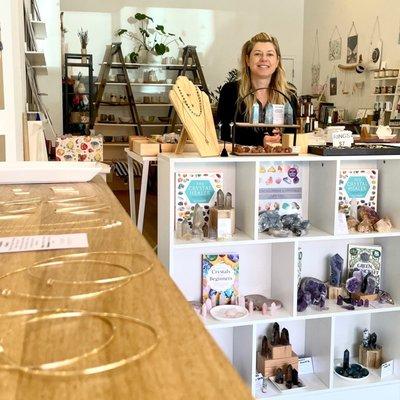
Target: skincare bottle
column 269, row 114
column 255, row 115
column 307, row 125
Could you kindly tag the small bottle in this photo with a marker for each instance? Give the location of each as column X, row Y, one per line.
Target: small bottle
column 255, row 115
column 307, row 125
column 269, row 114
column 329, row 119
column 315, row 125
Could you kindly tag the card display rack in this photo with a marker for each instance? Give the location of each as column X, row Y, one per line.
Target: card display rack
column 270, row 266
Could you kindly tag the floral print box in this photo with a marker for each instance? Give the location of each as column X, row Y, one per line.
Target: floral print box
column 79, row 148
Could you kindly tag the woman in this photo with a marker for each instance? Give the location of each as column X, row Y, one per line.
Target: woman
column 261, row 67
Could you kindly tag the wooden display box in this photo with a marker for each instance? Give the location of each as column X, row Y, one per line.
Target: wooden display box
column 362, row 296
column 143, row 146
column 301, row 140
column 370, row 358
column 268, row 366
column 279, row 351
column 220, row 219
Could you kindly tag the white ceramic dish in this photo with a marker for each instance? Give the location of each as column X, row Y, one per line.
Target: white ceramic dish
column 228, row 312
column 346, row 378
column 47, row 171
column 282, row 386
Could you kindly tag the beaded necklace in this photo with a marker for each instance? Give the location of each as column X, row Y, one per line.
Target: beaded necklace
column 186, row 101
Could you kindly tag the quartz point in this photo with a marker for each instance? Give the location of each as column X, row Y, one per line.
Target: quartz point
column 198, row 222
column 284, row 337
column 220, row 199
column 228, row 201
column 336, row 270
column 346, row 359
column 276, row 337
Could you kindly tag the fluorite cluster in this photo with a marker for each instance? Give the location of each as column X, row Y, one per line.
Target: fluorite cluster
column 311, row 291
column 368, row 220
column 277, row 225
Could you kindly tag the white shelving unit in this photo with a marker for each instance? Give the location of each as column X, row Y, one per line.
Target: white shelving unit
column 268, row 266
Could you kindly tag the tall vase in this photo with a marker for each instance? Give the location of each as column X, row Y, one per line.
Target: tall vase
column 84, row 59
column 143, row 55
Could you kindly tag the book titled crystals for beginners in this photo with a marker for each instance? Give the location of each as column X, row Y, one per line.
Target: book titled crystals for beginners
column 220, row 278
column 192, row 188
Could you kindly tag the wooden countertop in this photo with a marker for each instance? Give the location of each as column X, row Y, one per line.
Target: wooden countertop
column 186, row 364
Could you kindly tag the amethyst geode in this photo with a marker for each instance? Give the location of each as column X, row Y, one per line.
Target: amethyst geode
column 311, row 291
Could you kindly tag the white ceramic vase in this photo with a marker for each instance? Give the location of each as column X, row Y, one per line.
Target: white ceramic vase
column 154, row 58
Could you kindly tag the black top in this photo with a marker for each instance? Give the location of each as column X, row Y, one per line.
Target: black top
column 226, row 112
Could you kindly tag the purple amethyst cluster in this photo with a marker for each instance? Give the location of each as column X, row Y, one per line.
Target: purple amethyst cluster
column 311, row 291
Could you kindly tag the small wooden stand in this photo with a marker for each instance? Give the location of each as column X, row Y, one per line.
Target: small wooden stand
column 362, row 296
column 370, row 358
column 268, row 366
column 219, row 219
column 335, row 291
column 301, row 141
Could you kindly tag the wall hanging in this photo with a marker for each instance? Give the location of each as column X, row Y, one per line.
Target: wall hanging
column 352, row 45
column 333, row 82
column 315, row 67
column 335, row 45
column 375, row 47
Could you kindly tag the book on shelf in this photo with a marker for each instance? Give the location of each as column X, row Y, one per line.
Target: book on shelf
column 367, row 259
column 196, row 188
column 220, row 278
column 359, row 185
column 281, row 187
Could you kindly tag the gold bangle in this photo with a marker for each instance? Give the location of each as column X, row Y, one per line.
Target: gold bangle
column 51, row 281
column 123, row 281
column 67, row 361
column 62, row 226
column 90, row 370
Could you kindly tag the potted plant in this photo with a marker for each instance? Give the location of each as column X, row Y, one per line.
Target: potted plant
column 83, row 37
column 152, row 41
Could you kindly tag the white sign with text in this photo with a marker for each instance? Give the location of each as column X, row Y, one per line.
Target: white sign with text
column 342, row 138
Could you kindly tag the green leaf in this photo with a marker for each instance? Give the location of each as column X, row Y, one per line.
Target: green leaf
column 180, row 39
column 161, row 29
column 133, row 57
column 161, row 49
column 121, row 31
column 141, row 17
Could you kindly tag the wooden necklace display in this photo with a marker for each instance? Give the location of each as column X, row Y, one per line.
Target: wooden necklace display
column 194, row 110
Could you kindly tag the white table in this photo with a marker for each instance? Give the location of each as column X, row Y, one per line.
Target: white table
column 145, row 161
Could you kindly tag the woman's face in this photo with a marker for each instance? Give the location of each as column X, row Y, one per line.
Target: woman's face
column 262, row 60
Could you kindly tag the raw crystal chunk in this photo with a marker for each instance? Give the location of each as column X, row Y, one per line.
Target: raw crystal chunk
column 336, row 269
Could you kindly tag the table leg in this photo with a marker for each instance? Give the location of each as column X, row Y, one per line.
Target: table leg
column 131, row 190
column 143, row 192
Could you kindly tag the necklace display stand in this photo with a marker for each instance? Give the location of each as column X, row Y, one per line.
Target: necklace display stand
column 194, row 110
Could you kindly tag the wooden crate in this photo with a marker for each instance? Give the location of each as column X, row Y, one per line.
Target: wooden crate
column 143, row 146
column 268, row 367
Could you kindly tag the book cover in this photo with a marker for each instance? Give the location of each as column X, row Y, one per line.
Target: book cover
column 280, row 187
column 192, row 188
column 366, row 259
column 220, row 278
column 360, row 185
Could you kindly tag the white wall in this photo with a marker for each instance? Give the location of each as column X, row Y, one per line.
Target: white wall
column 11, row 20
column 217, row 28
column 324, row 15
column 51, row 83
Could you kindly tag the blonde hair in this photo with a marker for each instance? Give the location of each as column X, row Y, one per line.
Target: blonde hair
column 278, row 79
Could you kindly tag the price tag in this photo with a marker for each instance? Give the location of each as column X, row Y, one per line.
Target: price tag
column 259, row 380
column 306, row 366
column 387, row 369
column 342, row 138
